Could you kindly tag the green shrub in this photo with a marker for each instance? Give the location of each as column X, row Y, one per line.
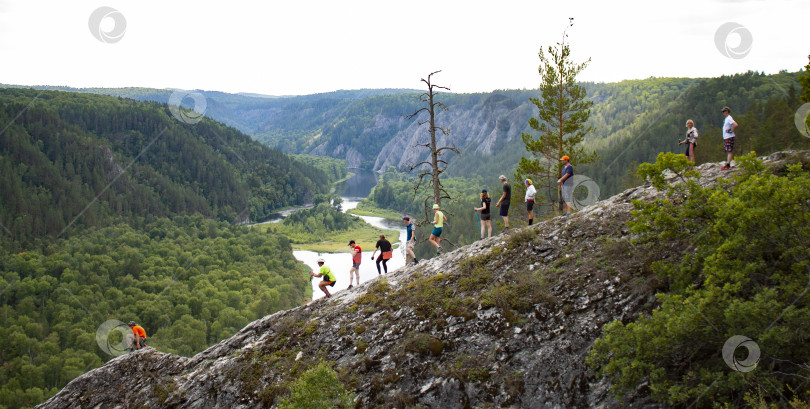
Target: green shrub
column 318, row 388
column 748, row 275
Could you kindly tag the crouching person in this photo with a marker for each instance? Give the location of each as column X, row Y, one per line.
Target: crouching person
column 328, row 277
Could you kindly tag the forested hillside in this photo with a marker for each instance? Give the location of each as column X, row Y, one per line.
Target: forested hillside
column 112, row 209
column 253, row 114
column 190, row 282
column 633, row 120
column 763, row 106
column 70, row 160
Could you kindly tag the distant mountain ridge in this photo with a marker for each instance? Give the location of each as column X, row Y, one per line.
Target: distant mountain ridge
column 633, row 120
column 231, row 109
column 74, row 159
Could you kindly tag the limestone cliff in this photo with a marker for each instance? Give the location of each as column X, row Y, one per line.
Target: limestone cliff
column 504, row 322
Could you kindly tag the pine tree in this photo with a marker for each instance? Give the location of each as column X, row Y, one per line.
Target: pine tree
column 562, row 113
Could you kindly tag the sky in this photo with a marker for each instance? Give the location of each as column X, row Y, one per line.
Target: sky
column 310, row 46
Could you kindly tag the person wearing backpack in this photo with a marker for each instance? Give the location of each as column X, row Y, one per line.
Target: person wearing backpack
column 386, row 252
column 328, row 277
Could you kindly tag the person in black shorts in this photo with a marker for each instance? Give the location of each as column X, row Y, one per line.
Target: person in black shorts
column 504, row 201
column 386, row 252
column 328, row 277
column 486, row 203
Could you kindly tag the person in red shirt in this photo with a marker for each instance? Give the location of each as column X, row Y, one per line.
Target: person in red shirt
column 356, row 257
column 140, row 335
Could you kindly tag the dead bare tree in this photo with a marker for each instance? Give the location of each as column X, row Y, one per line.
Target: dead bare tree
column 436, row 165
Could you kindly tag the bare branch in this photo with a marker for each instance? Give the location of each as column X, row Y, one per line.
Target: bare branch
column 416, row 113
column 448, row 147
column 418, row 164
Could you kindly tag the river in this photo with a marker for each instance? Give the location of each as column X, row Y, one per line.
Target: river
column 355, row 189
column 341, row 262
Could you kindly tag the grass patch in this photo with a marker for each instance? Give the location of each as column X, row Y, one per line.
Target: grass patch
column 458, row 294
column 360, row 346
column 365, row 235
column 470, row 368
column 366, row 208
column 162, row 390
column 521, row 237
column 423, row 344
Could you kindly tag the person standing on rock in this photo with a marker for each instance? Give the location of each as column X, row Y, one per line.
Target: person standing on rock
column 328, row 277
column 504, row 201
column 530, row 193
column 356, row 257
column 438, row 224
column 486, row 203
column 410, row 242
column 691, row 140
column 729, row 127
column 386, row 252
column 566, row 183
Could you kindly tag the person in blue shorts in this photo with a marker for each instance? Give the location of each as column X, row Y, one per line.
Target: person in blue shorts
column 438, row 224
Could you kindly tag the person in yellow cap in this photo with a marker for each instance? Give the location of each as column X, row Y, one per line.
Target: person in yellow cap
column 566, row 183
column 438, row 224
column 328, row 277
column 530, row 193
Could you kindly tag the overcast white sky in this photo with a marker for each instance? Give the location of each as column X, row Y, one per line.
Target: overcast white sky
column 301, row 47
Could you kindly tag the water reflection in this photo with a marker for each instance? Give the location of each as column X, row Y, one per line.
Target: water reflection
column 359, row 185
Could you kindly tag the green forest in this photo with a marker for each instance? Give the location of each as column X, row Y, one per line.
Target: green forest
column 72, row 161
column 762, row 105
column 112, row 209
column 189, row 281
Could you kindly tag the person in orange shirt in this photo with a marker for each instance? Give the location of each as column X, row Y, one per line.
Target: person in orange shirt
column 140, row 335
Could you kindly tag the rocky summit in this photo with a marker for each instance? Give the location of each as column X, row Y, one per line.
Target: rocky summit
column 503, row 322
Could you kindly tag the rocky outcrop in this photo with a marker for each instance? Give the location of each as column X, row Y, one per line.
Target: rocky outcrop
column 503, row 322
column 478, row 128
